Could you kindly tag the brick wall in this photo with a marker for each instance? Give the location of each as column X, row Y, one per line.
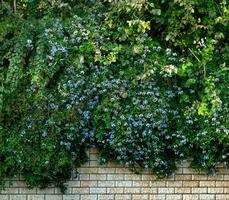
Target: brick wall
column 114, row 182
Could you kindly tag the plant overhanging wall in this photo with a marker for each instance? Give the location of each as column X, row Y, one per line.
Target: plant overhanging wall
column 146, row 82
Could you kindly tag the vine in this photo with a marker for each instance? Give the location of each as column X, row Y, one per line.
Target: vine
column 123, row 76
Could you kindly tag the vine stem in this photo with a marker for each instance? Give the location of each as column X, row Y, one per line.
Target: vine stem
column 194, row 54
column 204, row 71
column 198, row 61
column 15, row 6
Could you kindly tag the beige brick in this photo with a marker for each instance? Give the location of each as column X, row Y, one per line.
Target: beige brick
column 17, row 197
column 222, row 183
column 189, row 171
column 111, row 165
column 190, row 183
column 88, row 197
column 36, row 197
column 222, row 196
column 132, row 177
column 106, row 183
column 157, row 197
column 223, row 171
column 166, row 190
column 17, row 184
column 149, row 190
column 106, row 197
column 179, row 171
column 4, row 197
column 88, row 183
column 132, row 190
column 93, row 163
column 27, row 191
column 71, row 197
column 225, row 190
column 93, row 151
column 98, row 190
column 182, row 190
column 98, row 177
column 183, row 177
column 106, row 170
column 215, row 190
column 185, row 164
column 67, row 191
column 122, row 171
column 207, row 183
column 215, row 178
column 84, row 177
column 169, row 178
column 10, row 190
column 207, row 196
column 87, row 170
column 148, row 177
column 46, row 191
column 53, row 197
column 140, row 183
column 114, row 177
column 199, row 190
column 73, row 183
column 191, row 197
column 123, row 197
column 157, row 183
column 115, row 190
column 221, row 165
column 93, row 156
column 140, row 197
column 226, row 177
column 174, row 184
column 199, row 177
column 80, row 190
column 123, row 183
column 173, row 197
column 146, row 172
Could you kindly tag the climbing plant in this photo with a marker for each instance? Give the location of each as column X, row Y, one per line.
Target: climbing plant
column 146, row 82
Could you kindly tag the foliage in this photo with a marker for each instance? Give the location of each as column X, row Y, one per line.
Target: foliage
column 124, row 76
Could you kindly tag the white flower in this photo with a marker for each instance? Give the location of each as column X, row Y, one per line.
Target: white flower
column 169, row 69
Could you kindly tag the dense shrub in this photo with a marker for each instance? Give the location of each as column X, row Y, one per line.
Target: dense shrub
column 144, row 81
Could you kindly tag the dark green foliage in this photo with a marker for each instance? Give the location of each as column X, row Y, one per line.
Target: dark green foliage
column 146, row 82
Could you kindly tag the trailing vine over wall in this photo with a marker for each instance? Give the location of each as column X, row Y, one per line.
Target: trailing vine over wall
column 146, row 82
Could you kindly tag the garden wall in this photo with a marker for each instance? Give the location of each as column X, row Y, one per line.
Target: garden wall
column 115, row 182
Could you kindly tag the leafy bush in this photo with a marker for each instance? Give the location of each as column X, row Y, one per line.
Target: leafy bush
column 124, row 76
